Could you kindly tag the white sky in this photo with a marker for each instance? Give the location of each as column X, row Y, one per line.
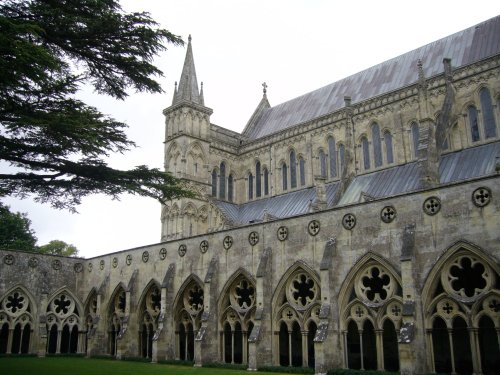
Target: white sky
column 295, row 46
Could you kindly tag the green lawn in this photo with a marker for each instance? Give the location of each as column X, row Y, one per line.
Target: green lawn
column 85, row 366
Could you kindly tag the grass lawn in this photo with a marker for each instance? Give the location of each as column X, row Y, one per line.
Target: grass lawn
column 85, row 366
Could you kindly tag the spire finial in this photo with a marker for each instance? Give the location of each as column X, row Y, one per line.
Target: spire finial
column 189, row 38
column 264, row 85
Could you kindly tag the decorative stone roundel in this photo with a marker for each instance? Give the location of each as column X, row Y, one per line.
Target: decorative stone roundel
column 128, row 260
column 228, row 242
column 78, row 267
column 432, row 206
column 253, row 238
column 182, row 250
column 114, row 262
column 349, row 221
column 145, row 256
column 163, row 253
column 481, row 196
column 9, row 259
column 101, row 264
column 282, row 233
column 313, row 227
column 33, row 262
column 467, row 278
column 204, row 246
column 388, row 214
column 56, row 264
column 89, row 267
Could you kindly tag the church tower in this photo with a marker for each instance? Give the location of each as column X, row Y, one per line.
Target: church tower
column 187, row 130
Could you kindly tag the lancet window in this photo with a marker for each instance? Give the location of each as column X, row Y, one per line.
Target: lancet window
column 342, row 157
column 473, row 123
column 230, row 188
column 366, row 153
column 332, row 153
column 377, row 145
column 415, row 136
column 462, row 314
column 388, row 147
column 488, row 114
column 16, row 322
column 222, row 181
column 188, row 319
column 238, row 311
column 250, row 186
column 258, row 180
column 302, row 171
column 293, row 170
column 63, row 324
column 371, row 318
column 116, row 319
column 322, row 163
column 284, row 176
column 266, row 181
column 296, row 318
column 91, row 319
column 149, row 312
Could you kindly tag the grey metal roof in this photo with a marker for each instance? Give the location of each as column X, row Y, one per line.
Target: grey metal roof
column 463, row 48
column 453, row 167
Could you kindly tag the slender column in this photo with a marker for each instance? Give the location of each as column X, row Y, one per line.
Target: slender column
column 380, row 349
column 232, row 346
column 177, row 346
column 361, row 349
column 186, row 347
column 472, row 340
column 245, row 347
column 223, row 347
column 346, row 354
column 430, row 345
column 304, row 349
column 58, row 345
column 21, row 341
column 9, row 341
column 477, row 352
column 290, row 348
column 450, row 338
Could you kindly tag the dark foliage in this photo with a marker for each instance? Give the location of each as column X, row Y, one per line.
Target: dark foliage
column 55, row 143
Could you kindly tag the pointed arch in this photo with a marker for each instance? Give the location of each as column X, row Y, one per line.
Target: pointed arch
column 460, row 294
column 296, row 303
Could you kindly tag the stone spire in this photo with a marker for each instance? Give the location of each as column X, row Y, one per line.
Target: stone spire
column 187, row 90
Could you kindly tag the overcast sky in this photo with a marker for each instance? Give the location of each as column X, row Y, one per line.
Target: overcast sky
column 294, row 46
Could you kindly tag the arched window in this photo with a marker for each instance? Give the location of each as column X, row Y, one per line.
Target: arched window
column 222, row 181
column 388, row 147
column 258, row 186
column 250, row 186
column 342, row 156
column 16, row 309
column 473, row 124
column 415, row 136
column 366, row 153
column 230, row 187
column 302, row 170
column 214, row 183
column 490, row 128
column 322, row 163
column 293, row 170
column 332, row 153
column 266, row 182
column 377, row 145
column 284, row 176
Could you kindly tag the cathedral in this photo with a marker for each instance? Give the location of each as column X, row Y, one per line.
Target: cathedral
column 356, row 226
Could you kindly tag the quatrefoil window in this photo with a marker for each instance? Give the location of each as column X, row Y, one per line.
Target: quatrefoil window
column 374, row 285
column 432, row 206
column 253, row 238
column 313, row 227
column 467, row 277
column 388, row 214
column 302, row 290
column 349, row 221
column 282, row 233
column 228, row 242
column 481, row 196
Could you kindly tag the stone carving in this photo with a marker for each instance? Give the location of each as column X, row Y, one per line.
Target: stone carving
column 349, row 221
column 282, row 233
column 145, row 256
column 313, row 227
column 253, row 238
column 228, row 242
column 388, row 214
column 9, row 259
column 128, row 260
column 163, row 253
column 481, row 197
column 203, row 246
column 432, row 206
column 182, row 250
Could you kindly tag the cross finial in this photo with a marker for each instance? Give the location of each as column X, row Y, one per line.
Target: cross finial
column 264, row 85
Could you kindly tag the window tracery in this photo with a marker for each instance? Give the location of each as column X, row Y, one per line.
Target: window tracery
column 372, row 317
column 463, row 312
column 16, row 322
column 237, row 320
column 116, row 319
column 296, row 318
column 63, row 323
column 149, row 319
